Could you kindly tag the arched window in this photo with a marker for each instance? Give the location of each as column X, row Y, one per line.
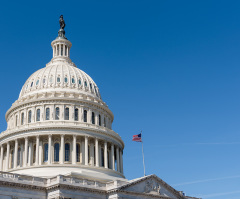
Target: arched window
column 58, row 79
column 66, row 117
column 67, row 152
column 65, row 80
column 34, row 153
column 37, row 82
column 85, row 116
column 57, row 111
column 76, row 114
column 19, row 156
column 104, row 122
column 45, row 152
column 78, row 153
column 38, row 115
column 22, row 119
column 56, row 152
column 16, row 123
column 47, row 113
column 93, row 118
column 85, row 84
column 99, row 120
column 73, row 80
column 29, row 116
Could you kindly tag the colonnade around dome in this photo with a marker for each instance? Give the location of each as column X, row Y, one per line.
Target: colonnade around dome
column 76, row 150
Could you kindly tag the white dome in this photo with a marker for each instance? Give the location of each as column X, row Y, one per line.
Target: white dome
column 57, row 76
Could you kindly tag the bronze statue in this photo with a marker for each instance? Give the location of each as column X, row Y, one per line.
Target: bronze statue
column 62, row 23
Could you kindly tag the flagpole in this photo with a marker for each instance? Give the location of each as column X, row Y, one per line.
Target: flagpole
column 143, row 158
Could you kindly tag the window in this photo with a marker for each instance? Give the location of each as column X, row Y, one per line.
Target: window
column 57, row 113
column 12, row 158
column 44, row 80
column 45, row 152
column 16, row 122
column 51, row 79
column 56, row 152
column 29, row 116
column 66, row 114
column 22, row 119
column 85, row 116
column 38, row 115
column 78, row 153
column 76, row 114
column 19, row 156
column 47, row 113
column 85, row 84
column 93, row 118
column 61, row 50
column 58, row 79
column 67, row 152
column 31, row 84
column 65, row 80
column 104, row 122
column 91, row 86
column 34, row 153
column 37, row 82
column 99, row 120
column 79, row 82
column 73, row 80
column 102, row 157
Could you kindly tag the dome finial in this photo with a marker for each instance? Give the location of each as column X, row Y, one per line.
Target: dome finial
column 61, row 32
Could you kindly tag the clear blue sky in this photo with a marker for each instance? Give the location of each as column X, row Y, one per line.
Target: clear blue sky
column 169, row 68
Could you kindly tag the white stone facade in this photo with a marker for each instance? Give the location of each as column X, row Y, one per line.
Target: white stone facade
column 59, row 141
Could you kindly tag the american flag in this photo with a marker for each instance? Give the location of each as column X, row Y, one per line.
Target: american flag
column 137, row 138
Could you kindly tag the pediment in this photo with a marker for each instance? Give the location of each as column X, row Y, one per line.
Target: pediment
column 151, row 185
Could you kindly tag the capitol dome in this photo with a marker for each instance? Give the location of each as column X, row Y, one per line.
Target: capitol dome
column 59, row 125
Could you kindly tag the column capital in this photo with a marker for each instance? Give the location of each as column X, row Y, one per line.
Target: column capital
column 26, row 138
column 50, row 135
column 62, row 135
column 74, row 136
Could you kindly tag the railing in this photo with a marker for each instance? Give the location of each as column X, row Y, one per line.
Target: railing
column 43, row 182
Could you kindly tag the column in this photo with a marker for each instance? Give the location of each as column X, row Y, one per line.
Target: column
column 74, row 154
column 118, row 169
column 100, row 155
column 92, row 154
column 86, row 150
column 7, row 160
column 40, row 153
column 25, row 152
column 121, row 161
column 21, row 155
column 83, row 152
column 30, row 154
column 96, row 153
column 37, row 151
column 1, row 159
column 49, row 149
column 15, row 154
column 112, row 155
column 105, row 155
column 62, row 150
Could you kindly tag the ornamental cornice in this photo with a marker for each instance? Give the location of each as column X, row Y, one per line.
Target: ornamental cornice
column 108, row 133
column 141, row 194
column 19, row 105
column 72, row 187
column 22, row 186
